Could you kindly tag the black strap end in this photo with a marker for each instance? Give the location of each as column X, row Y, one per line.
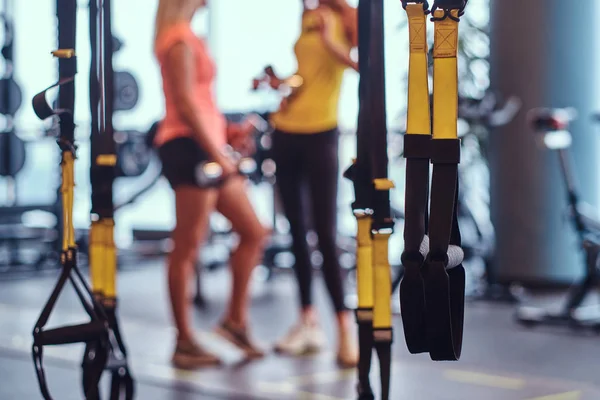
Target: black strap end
column 417, row 146
column 445, row 151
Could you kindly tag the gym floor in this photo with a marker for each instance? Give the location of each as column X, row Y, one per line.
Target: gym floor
column 500, row 359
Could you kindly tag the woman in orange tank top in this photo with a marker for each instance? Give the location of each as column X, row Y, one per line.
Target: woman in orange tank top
column 193, row 132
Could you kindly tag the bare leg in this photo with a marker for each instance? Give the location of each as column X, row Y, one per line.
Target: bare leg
column 193, row 208
column 234, row 204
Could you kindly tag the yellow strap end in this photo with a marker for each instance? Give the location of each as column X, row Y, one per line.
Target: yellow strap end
column 417, row 24
column 106, row 160
column 446, row 36
column 64, row 53
column 383, row 184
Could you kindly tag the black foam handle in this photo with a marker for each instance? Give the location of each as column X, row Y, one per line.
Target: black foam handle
column 72, row 334
column 445, row 151
column 417, row 146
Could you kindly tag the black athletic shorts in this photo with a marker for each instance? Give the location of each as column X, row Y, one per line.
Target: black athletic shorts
column 180, row 157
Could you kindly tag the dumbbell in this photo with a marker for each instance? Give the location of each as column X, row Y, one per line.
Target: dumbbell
column 267, row 74
column 288, row 87
column 210, row 174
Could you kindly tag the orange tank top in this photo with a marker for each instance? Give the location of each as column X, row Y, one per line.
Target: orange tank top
column 173, row 126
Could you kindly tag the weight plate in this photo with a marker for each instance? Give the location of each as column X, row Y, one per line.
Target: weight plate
column 10, row 88
column 133, row 156
column 126, row 91
column 12, row 154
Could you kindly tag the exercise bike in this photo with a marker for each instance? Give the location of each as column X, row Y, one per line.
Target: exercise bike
column 552, row 128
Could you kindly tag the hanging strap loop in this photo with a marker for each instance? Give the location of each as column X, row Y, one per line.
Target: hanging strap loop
column 448, row 6
column 417, row 152
column 444, row 287
column 432, row 291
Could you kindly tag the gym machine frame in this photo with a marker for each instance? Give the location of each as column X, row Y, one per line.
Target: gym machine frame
column 104, row 347
column 553, row 128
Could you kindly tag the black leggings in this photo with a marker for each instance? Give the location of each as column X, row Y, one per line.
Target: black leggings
column 307, row 169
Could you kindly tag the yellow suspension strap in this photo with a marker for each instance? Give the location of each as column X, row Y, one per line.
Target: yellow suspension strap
column 382, row 224
column 360, row 175
column 442, row 273
column 102, row 252
column 96, row 330
column 417, row 142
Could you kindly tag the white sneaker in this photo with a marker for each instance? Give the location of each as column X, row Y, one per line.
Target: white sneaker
column 302, row 339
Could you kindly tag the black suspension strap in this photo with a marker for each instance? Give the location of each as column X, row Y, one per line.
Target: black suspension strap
column 382, row 225
column 360, row 175
column 417, row 142
column 433, row 288
column 96, row 330
column 102, row 251
column 371, row 206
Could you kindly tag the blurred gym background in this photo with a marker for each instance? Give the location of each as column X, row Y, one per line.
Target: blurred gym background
column 519, row 232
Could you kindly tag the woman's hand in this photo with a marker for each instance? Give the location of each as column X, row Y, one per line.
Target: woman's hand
column 227, row 164
column 240, row 135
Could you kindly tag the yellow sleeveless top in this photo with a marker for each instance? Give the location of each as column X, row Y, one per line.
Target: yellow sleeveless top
column 314, row 107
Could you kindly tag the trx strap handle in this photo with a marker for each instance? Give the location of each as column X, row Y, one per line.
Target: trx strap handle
column 360, row 175
column 96, row 329
column 103, row 257
column 444, row 288
column 417, row 149
column 432, row 290
column 382, row 225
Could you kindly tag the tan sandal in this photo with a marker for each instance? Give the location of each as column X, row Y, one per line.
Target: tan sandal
column 239, row 337
column 190, row 355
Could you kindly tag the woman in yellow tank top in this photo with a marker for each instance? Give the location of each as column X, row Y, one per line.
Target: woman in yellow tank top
column 305, row 149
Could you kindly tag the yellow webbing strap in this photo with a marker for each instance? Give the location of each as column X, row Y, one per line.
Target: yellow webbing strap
column 96, row 257
column 103, row 260
column 67, row 189
column 418, row 113
column 106, row 160
column 382, row 280
column 110, row 261
column 71, row 191
column 364, row 261
column 445, row 96
column 383, row 184
column 382, row 274
column 64, row 53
